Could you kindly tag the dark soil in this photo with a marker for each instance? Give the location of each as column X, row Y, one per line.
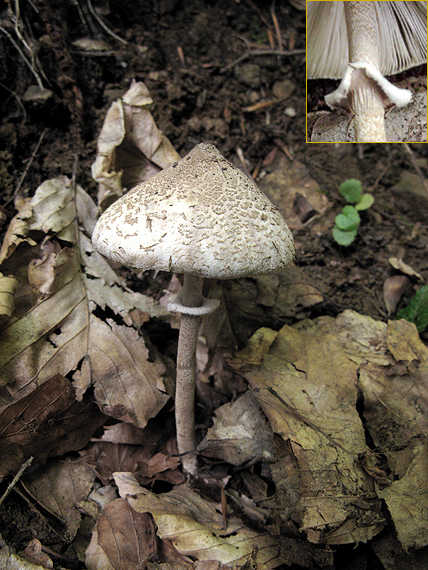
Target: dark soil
column 202, row 95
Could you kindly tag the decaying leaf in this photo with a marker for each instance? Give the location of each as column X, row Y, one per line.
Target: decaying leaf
column 130, row 147
column 240, row 434
column 112, row 457
column 268, row 300
column 307, row 383
column 407, row 502
column 124, row 539
column 48, row 421
column 285, row 182
column 33, row 553
column 52, row 329
column 194, row 526
column 60, row 486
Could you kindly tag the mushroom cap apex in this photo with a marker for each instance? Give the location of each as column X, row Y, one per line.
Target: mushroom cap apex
column 200, row 216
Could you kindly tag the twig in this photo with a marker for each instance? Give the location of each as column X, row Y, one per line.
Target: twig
column 276, row 26
column 381, row 175
column 18, row 99
column 27, row 168
column 23, row 56
column 104, row 26
column 255, row 53
column 16, row 479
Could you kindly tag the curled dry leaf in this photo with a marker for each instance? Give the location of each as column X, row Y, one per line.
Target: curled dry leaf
column 33, row 553
column 108, row 458
column 130, row 147
column 398, row 263
column 393, row 289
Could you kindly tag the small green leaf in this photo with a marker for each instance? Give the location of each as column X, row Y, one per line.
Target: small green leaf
column 342, row 237
column 351, row 190
column 365, row 202
column 351, row 213
column 417, row 310
column 346, row 224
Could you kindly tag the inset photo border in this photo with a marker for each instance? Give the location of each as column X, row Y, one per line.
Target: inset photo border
column 366, row 71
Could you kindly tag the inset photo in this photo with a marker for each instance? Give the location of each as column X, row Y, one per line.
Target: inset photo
column 366, row 72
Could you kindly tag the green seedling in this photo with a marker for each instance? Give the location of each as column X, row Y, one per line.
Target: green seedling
column 348, row 221
column 417, row 309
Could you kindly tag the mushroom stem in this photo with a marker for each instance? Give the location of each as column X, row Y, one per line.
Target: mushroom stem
column 191, row 296
column 369, row 118
column 363, row 42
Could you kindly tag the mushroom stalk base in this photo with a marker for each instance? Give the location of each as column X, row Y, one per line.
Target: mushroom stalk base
column 186, row 371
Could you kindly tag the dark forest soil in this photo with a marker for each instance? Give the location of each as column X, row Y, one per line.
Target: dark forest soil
column 188, row 54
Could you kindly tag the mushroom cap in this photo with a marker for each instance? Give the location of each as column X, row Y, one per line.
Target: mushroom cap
column 402, row 28
column 201, row 216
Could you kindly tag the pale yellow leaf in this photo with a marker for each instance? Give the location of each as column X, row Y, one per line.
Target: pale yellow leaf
column 407, row 501
column 307, row 381
column 306, row 385
column 8, row 286
column 194, row 526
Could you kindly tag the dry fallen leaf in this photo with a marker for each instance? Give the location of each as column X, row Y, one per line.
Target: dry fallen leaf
column 194, row 526
column 11, row 561
column 240, row 434
column 107, row 458
column 123, row 539
column 48, row 421
column 286, row 181
column 53, row 330
column 307, row 383
column 33, row 553
column 130, row 147
column 393, row 289
column 268, row 300
column 60, row 486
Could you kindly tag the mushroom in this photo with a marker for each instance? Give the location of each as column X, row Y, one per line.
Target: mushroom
column 361, row 42
column 201, row 217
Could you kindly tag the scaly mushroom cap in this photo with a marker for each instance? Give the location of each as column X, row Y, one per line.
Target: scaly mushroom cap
column 402, row 37
column 201, row 216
